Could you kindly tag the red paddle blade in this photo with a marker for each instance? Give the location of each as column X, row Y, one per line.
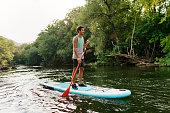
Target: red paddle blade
column 65, row 94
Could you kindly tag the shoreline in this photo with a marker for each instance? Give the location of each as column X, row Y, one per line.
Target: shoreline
column 94, row 64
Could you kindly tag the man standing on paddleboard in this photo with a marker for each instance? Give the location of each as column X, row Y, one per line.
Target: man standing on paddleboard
column 78, row 45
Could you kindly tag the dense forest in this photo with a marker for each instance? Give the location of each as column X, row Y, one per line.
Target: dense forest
column 133, row 27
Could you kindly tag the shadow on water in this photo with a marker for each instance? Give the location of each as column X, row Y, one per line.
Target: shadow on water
column 20, row 90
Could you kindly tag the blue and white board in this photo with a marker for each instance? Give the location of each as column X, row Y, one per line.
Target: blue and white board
column 90, row 90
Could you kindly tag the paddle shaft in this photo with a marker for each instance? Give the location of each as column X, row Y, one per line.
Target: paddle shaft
column 68, row 89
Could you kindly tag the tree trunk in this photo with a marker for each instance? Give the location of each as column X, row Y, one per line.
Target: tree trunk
column 131, row 47
column 153, row 50
column 147, row 52
column 115, row 33
column 109, row 16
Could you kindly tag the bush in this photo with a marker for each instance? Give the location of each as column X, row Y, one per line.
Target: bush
column 164, row 61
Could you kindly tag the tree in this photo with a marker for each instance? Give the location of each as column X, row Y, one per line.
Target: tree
column 7, row 50
column 32, row 57
column 107, row 21
column 151, row 32
column 55, row 42
column 19, row 55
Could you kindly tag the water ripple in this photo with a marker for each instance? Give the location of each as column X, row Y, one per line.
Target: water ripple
column 21, row 92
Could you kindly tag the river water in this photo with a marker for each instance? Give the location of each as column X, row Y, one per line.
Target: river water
column 21, row 90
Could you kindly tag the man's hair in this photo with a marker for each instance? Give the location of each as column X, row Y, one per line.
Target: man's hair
column 79, row 28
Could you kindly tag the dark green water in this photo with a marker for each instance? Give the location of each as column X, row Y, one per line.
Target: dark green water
column 21, row 92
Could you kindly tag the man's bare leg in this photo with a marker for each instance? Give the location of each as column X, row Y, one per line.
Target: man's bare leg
column 74, row 80
column 81, row 69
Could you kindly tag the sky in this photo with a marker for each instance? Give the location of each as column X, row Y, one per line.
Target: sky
column 23, row 20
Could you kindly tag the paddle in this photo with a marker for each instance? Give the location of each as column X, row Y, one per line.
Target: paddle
column 68, row 89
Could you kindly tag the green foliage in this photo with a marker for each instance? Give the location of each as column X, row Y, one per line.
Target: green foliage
column 7, row 50
column 55, row 48
column 149, row 36
column 47, row 48
column 164, row 61
column 105, row 22
column 32, row 57
column 107, row 18
column 19, row 55
column 103, row 60
column 166, row 44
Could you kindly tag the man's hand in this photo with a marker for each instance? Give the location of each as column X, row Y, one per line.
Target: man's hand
column 88, row 41
column 79, row 60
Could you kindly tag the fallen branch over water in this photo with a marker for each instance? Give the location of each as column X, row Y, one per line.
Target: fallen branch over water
column 133, row 60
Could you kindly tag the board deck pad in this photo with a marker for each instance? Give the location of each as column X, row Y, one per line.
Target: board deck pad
column 94, row 91
column 66, row 85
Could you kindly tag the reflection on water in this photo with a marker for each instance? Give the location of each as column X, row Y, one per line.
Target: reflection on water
column 21, row 92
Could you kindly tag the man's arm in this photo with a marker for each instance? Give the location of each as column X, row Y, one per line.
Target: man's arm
column 84, row 45
column 74, row 48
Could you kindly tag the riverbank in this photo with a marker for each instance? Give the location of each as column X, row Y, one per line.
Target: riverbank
column 7, row 67
column 131, row 60
column 122, row 63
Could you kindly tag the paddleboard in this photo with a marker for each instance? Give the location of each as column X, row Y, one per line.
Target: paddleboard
column 89, row 90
